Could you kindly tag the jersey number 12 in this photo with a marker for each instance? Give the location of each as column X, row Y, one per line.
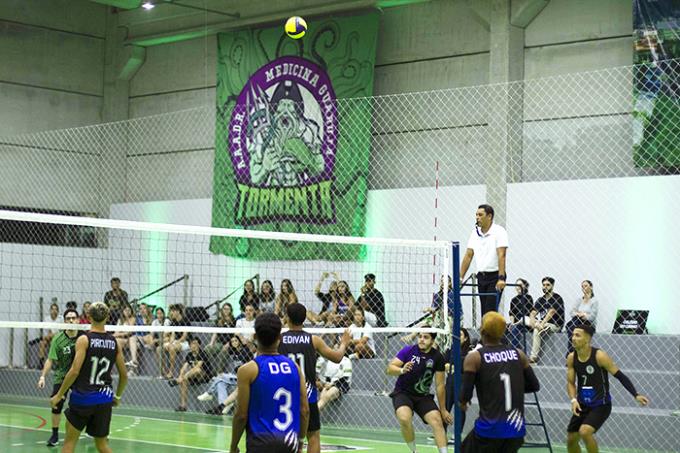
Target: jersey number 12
column 100, row 365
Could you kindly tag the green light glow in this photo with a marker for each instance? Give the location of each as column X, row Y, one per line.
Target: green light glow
column 154, row 253
column 647, row 256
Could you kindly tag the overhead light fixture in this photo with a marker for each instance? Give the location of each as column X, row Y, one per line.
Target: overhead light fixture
column 148, row 5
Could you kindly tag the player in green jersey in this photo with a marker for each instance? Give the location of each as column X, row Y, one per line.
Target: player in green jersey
column 60, row 356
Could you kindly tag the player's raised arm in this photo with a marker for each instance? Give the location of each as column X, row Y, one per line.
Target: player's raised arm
column 334, row 355
column 608, row 364
column 81, row 351
column 245, row 376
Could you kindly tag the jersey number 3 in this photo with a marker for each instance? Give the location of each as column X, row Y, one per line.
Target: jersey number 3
column 284, row 409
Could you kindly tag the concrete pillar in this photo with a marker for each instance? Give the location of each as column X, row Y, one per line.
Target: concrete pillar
column 503, row 160
column 121, row 63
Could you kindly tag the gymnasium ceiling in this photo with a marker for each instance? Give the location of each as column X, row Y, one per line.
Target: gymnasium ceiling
column 176, row 20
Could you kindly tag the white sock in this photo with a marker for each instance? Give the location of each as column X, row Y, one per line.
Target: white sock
column 412, row 445
column 443, row 450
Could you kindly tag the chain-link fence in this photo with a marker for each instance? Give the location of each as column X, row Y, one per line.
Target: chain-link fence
column 581, row 169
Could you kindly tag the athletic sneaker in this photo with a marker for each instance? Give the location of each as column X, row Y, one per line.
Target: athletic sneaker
column 53, row 441
column 227, row 408
column 204, row 397
column 217, row 410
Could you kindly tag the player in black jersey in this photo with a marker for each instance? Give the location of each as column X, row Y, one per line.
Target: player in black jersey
column 588, row 388
column 89, row 379
column 303, row 347
column 502, row 375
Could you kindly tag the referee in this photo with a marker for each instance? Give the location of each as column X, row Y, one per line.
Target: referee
column 488, row 243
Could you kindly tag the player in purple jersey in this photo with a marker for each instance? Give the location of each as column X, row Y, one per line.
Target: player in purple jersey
column 416, row 366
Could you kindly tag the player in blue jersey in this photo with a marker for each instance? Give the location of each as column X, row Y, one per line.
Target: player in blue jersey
column 502, row 375
column 272, row 402
column 92, row 395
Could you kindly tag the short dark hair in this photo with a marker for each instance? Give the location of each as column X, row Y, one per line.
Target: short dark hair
column 267, row 329
column 177, row 307
column 488, row 209
column 115, row 279
column 550, row 279
column 369, row 277
column 431, row 334
column 587, row 327
column 297, row 313
column 71, row 304
column 99, row 311
column 71, row 310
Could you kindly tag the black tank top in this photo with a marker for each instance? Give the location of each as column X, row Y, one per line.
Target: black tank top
column 95, row 374
column 298, row 346
column 592, row 381
column 500, row 390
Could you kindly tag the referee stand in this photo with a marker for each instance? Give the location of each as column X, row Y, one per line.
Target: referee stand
column 456, row 359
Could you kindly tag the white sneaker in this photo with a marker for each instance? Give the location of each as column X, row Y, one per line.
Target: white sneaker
column 204, row 397
column 353, row 356
column 227, row 408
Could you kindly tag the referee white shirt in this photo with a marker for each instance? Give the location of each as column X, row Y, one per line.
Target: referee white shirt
column 485, row 244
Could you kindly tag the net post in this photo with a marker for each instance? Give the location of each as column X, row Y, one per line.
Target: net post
column 456, row 358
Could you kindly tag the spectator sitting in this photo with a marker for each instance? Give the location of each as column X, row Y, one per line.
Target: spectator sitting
column 286, row 296
column 267, row 297
column 223, row 386
column 327, row 299
column 72, row 305
column 343, row 305
column 249, row 296
column 520, row 315
column 220, row 341
column 247, row 322
column 372, row 300
column 196, row 370
column 154, row 339
column 176, row 342
column 45, row 341
column 546, row 317
column 584, row 310
column 115, row 299
column 144, row 318
column 438, row 299
column 128, row 339
column 83, row 316
column 362, row 345
column 334, row 379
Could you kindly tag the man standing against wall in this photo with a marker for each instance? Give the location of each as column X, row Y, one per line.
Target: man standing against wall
column 488, row 244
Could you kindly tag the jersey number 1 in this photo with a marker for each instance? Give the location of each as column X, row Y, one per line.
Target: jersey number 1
column 505, row 378
column 102, row 364
column 298, row 358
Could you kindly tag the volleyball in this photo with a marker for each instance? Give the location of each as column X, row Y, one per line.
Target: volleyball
column 296, row 27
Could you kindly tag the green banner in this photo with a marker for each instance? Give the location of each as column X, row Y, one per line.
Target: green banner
column 289, row 155
column 656, row 113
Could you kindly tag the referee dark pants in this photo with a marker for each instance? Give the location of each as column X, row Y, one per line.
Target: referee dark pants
column 486, row 283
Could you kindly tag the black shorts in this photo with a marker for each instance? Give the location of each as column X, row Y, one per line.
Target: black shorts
column 60, row 406
column 342, row 384
column 268, row 444
column 593, row 416
column 314, row 418
column 96, row 418
column 421, row 405
column 476, row 444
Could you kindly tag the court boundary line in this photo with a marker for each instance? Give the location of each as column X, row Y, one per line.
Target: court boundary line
column 390, row 442
column 165, row 444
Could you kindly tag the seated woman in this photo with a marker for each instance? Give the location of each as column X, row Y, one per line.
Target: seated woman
column 520, row 310
column 334, row 380
column 362, row 345
column 267, row 297
column 128, row 339
column 220, row 341
column 584, row 310
column 286, row 296
column 249, row 296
